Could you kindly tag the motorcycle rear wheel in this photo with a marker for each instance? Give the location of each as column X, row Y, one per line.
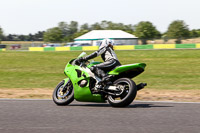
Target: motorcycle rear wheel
column 127, row 96
column 63, row 98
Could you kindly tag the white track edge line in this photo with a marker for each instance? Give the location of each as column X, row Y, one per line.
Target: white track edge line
column 91, row 102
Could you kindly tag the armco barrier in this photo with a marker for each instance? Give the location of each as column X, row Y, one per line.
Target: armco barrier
column 185, row 45
column 49, row 48
column 36, row 49
column 123, row 47
column 143, row 46
column 85, row 48
column 2, row 49
column 75, row 48
column 62, row 48
column 164, row 46
column 198, row 45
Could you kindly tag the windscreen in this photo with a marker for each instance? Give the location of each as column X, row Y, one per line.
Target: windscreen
column 82, row 54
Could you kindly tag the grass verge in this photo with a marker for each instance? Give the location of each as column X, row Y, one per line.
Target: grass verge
column 166, row 69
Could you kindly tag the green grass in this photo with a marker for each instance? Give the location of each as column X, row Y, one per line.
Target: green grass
column 166, row 69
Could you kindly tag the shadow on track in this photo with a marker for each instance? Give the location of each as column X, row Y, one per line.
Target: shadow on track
column 130, row 106
column 146, row 106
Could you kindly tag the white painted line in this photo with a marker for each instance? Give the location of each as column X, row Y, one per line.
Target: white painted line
column 25, row 99
column 7, row 99
column 164, row 102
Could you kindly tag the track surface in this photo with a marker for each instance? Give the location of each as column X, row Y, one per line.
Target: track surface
column 38, row 116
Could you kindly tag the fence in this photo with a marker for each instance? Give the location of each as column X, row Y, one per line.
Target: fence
column 122, row 47
column 2, row 49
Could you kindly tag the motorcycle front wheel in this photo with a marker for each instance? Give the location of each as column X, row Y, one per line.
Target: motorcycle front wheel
column 63, row 95
column 127, row 94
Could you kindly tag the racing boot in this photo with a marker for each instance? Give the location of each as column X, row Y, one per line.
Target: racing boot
column 101, row 74
column 105, row 78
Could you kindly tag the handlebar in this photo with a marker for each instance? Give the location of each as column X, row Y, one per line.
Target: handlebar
column 78, row 63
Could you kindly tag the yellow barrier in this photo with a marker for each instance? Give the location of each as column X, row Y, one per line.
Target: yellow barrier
column 90, row 48
column 62, row 48
column 164, row 46
column 36, row 49
column 124, row 47
column 3, row 49
column 198, row 45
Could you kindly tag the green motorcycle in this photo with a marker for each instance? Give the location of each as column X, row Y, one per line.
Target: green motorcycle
column 83, row 85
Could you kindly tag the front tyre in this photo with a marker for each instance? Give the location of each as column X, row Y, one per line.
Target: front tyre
column 63, row 95
column 127, row 94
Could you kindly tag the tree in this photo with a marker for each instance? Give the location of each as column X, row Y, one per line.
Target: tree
column 96, row 26
column 198, row 31
column 9, row 38
column 53, row 35
column 194, row 33
column 85, row 27
column 165, row 38
column 64, row 28
column 68, row 30
column 30, row 37
column 73, row 27
column 39, row 36
column 146, row 31
column 22, row 38
column 109, row 25
column 178, row 30
column 1, row 34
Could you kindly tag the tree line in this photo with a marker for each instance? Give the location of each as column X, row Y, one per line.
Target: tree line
column 144, row 30
column 14, row 37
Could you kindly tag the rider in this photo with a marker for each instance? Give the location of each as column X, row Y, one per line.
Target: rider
column 109, row 57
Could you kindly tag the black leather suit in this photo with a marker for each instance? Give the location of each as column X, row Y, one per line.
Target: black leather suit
column 109, row 57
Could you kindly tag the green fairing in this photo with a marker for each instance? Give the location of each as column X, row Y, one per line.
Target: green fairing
column 139, row 66
column 126, row 68
column 81, row 93
column 84, row 93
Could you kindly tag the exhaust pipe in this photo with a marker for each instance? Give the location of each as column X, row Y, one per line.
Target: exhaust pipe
column 141, row 86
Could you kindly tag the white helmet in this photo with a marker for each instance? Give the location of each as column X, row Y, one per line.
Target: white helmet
column 108, row 41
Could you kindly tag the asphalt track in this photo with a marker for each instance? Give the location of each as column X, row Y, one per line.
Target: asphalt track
column 43, row 116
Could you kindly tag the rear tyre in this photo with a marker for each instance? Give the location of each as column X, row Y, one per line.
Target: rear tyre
column 63, row 96
column 127, row 94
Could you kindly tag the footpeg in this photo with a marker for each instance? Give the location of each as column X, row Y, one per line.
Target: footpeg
column 141, row 86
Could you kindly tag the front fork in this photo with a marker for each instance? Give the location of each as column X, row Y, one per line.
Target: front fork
column 66, row 81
